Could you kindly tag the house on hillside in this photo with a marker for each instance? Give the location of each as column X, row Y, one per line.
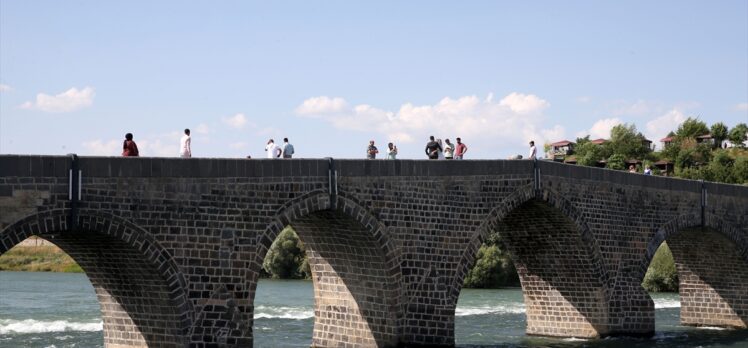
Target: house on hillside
column 705, row 139
column 648, row 143
column 666, row 141
column 560, row 149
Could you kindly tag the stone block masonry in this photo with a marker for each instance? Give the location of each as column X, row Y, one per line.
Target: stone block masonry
column 174, row 247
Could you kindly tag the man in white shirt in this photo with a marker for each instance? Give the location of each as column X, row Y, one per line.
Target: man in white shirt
column 185, row 145
column 533, row 151
column 273, row 151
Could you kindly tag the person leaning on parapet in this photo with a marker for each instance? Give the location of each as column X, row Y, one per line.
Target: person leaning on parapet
column 273, row 151
column 129, row 148
column 371, row 151
column 440, row 153
column 460, row 149
column 449, row 150
column 391, row 151
column 287, row 149
column 185, row 145
column 533, row 151
column 433, row 148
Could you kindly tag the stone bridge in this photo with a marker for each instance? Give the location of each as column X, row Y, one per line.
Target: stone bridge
column 174, row 247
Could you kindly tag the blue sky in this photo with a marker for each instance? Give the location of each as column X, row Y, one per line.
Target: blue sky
column 75, row 76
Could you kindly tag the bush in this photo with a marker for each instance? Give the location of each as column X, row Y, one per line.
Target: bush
column 617, row 162
column 286, row 258
column 493, row 269
column 661, row 275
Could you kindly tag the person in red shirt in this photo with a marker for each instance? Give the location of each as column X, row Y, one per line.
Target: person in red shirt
column 129, row 148
column 460, row 149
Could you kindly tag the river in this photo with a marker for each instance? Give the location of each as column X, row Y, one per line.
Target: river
column 60, row 310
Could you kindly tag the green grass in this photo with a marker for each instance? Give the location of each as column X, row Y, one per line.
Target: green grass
column 47, row 258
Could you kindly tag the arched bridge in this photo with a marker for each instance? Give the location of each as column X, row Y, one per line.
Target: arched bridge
column 174, row 247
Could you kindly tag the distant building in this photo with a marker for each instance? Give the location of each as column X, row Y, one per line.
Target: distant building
column 666, row 141
column 599, row 141
column 665, row 167
column 561, row 149
column 648, row 143
column 705, row 139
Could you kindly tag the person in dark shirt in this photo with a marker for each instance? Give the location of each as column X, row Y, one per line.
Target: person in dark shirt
column 129, row 148
column 371, row 151
column 433, row 148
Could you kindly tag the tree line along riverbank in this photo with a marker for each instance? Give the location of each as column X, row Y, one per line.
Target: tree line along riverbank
column 286, row 259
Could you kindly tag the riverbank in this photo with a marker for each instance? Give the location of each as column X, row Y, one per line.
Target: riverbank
column 38, row 258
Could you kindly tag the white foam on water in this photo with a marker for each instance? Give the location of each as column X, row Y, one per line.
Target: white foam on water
column 283, row 313
column 666, row 303
column 711, row 328
column 10, row 326
column 511, row 309
column 574, row 339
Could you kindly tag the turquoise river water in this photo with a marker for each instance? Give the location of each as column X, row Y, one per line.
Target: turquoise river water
column 60, row 310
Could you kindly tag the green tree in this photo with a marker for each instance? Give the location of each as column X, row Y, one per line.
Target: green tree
column 720, row 168
column 740, row 169
column 627, row 142
column 737, row 135
column 719, row 133
column 691, row 128
column 588, row 154
column 493, row 266
column 661, row 274
column 286, row 258
column 582, row 141
column 616, row 161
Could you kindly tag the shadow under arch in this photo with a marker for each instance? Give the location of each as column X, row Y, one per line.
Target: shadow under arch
column 354, row 266
column 139, row 288
column 558, row 261
column 712, row 265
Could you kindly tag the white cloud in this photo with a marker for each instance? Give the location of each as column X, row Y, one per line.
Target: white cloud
column 741, row 107
column 101, row 148
column 601, row 128
column 5, row 88
column 638, row 108
column 321, row 105
column 584, row 99
column 158, row 145
column 238, row 145
column 237, row 121
column 490, row 126
column 202, row 129
column 70, row 100
column 659, row 127
column 524, row 103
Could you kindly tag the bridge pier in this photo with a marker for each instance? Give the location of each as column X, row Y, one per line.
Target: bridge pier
column 713, row 279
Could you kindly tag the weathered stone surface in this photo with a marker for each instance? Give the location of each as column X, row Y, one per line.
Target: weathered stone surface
column 174, row 247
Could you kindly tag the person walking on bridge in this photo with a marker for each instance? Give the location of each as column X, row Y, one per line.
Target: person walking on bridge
column 185, row 145
column 533, row 150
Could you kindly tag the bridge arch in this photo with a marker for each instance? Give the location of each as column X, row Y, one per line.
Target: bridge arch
column 712, row 265
column 557, row 258
column 138, row 285
column 355, row 269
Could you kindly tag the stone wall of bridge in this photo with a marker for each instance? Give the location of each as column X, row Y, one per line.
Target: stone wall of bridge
column 389, row 242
